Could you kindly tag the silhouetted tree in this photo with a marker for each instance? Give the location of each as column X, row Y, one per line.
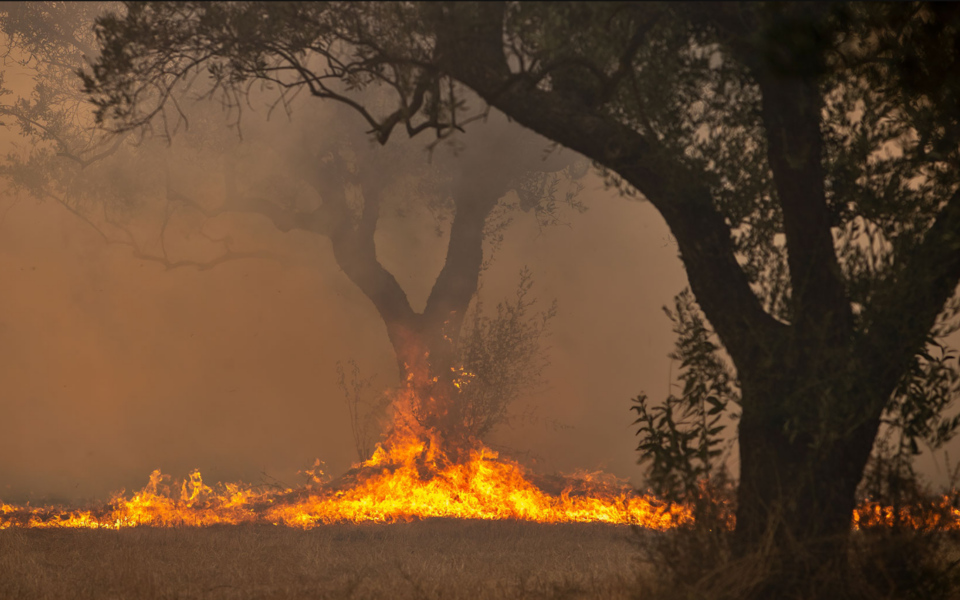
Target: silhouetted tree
column 325, row 179
column 348, row 181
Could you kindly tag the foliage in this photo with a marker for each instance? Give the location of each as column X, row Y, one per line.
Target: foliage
column 504, row 356
column 681, row 83
column 916, row 414
column 538, row 191
column 681, row 438
column 501, row 356
column 54, row 120
column 917, row 407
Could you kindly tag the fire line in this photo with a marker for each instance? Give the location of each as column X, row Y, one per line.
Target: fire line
column 410, row 476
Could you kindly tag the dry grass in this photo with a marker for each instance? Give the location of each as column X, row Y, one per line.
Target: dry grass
column 437, row 559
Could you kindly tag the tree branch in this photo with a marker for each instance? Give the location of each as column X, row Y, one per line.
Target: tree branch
column 903, row 311
column 703, row 236
column 356, row 253
column 138, row 252
column 86, row 162
column 321, row 220
column 352, row 238
column 791, row 114
column 458, row 279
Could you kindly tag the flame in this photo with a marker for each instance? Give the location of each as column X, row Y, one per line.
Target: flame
column 414, row 474
column 939, row 514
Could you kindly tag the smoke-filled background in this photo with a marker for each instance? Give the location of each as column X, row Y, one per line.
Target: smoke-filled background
column 112, row 365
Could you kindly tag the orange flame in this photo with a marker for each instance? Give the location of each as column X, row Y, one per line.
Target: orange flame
column 939, row 514
column 412, row 475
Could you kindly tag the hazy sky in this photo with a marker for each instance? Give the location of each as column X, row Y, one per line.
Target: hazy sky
column 112, row 366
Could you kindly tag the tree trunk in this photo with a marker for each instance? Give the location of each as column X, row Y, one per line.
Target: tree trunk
column 427, row 361
column 803, row 445
column 799, row 476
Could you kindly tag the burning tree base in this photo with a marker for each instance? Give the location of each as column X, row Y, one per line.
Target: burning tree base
column 391, row 487
column 414, row 474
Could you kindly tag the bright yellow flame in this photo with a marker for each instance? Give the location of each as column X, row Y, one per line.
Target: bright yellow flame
column 410, row 476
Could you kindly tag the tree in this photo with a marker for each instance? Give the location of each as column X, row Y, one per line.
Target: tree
column 501, row 357
column 325, row 180
column 349, row 182
column 804, row 157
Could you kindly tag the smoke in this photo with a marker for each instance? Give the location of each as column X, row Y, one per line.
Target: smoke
column 112, row 365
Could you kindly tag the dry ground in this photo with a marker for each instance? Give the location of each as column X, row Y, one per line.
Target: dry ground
column 437, row 559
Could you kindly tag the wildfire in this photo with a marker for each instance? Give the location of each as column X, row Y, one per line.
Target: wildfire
column 414, row 475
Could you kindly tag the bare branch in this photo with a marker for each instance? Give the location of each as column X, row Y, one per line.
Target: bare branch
column 138, row 252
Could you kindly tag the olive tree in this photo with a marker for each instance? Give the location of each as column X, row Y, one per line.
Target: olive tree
column 324, row 179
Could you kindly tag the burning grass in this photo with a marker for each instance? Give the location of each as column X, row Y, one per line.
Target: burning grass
column 426, row 518
column 485, row 488
column 418, row 474
column 436, row 558
column 415, row 474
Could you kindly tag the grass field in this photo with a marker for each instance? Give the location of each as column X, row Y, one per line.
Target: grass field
column 438, row 559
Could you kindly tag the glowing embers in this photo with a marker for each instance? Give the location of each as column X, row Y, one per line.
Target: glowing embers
column 940, row 514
